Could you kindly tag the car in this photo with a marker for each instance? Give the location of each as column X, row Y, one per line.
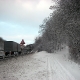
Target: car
column 2, row 54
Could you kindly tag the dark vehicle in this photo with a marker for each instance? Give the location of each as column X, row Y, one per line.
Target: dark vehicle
column 11, row 48
column 28, row 48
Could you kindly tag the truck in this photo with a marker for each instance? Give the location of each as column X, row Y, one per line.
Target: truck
column 11, row 48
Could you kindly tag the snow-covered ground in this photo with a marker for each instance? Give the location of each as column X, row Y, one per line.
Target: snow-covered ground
column 40, row 66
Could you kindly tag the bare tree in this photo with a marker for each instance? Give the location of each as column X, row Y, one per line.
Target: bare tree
column 62, row 27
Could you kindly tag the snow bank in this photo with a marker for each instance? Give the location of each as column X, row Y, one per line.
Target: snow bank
column 71, row 66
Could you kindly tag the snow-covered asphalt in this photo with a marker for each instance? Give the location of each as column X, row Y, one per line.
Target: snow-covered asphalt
column 38, row 66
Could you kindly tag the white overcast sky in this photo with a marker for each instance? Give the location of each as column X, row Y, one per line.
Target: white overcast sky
column 20, row 19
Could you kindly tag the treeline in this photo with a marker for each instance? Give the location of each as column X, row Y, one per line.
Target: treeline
column 61, row 28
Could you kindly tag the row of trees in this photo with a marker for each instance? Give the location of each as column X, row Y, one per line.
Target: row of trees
column 61, row 27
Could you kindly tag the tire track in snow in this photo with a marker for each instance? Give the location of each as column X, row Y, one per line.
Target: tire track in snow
column 49, row 72
column 57, row 71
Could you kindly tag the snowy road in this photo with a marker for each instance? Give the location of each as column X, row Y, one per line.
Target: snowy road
column 39, row 66
column 57, row 71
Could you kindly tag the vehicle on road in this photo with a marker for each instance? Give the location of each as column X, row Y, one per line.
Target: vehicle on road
column 12, row 48
column 2, row 54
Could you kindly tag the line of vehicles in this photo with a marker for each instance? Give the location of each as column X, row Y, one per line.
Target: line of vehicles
column 12, row 48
